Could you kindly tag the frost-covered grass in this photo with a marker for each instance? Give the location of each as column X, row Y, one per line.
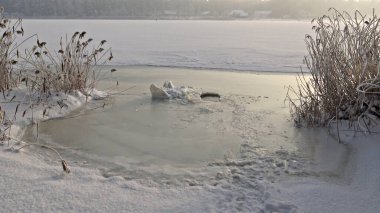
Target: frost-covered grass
column 73, row 67
column 343, row 61
column 9, row 31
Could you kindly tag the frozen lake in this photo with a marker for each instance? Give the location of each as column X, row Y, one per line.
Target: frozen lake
column 231, row 45
column 139, row 138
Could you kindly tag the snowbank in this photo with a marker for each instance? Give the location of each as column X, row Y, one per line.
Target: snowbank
column 28, row 184
column 20, row 108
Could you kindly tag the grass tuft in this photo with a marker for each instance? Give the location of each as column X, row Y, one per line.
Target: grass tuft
column 9, row 56
column 74, row 67
column 344, row 81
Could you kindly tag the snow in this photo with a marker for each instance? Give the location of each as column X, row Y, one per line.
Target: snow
column 30, row 109
column 169, row 91
column 259, row 180
column 28, row 184
column 356, row 189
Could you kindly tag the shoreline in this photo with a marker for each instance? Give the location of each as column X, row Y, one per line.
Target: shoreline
column 123, row 66
column 160, row 18
column 43, row 111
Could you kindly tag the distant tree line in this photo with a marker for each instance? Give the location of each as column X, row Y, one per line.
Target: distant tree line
column 153, row 9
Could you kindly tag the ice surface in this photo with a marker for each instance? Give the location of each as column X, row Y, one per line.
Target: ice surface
column 230, row 45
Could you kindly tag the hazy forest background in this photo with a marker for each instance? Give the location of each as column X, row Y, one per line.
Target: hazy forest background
column 180, row 9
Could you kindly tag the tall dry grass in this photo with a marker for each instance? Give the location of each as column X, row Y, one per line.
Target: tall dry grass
column 9, row 31
column 74, row 66
column 343, row 61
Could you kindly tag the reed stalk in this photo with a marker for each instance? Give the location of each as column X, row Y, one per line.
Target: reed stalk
column 76, row 66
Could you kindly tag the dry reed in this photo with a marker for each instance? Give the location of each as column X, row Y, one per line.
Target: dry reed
column 344, row 82
column 9, row 31
column 74, row 67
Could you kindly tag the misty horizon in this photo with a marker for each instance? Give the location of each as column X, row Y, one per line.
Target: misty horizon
column 182, row 9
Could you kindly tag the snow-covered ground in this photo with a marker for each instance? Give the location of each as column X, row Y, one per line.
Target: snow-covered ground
column 29, row 184
column 355, row 188
column 278, row 169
